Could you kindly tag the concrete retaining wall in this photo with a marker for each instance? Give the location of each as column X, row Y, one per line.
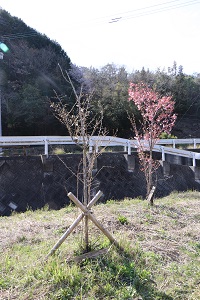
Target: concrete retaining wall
column 35, row 181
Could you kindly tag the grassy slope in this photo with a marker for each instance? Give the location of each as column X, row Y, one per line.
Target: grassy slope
column 161, row 258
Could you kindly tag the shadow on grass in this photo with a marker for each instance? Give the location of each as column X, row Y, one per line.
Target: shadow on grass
column 115, row 275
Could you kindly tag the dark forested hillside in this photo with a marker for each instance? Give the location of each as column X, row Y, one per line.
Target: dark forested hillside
column 30, row 75
column 110, row 85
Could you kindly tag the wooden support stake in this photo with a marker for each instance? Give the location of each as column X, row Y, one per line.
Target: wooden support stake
column 93, row 219
column 95, row 199
column 66, row 234
column 105, row 231
column 151, row 194
column 86, row 213
column 80, row 205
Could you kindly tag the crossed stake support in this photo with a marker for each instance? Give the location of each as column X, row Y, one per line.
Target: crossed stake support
column 86, row 211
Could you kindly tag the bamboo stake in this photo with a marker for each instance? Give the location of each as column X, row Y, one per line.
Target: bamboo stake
column 105, row 231
column 76, row 222
column 94, row 200
column 93, row 219
column 66, row 234
column 86, row 213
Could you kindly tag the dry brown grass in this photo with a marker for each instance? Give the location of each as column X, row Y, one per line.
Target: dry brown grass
column 167, row 234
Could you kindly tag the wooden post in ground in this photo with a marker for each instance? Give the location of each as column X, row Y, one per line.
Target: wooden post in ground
column 150, row 196
column 85, row 212
column 93, row 219
column 66, row 234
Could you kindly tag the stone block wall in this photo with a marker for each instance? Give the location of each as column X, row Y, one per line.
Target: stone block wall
column 36, row 181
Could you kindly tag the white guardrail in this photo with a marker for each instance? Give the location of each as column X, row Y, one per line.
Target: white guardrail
column 162, row 145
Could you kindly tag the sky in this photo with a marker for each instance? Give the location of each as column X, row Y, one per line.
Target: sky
column 131, row 33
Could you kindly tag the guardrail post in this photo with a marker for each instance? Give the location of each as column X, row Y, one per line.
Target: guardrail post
column 163, row 153
column 129, row 148
column 46, row 147
column 96, row 148
column 174, row 143
column 90, row 146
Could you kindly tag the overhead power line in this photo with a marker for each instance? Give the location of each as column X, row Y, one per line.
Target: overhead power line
column 124, row 16
column 151, row 6
column 149, row 10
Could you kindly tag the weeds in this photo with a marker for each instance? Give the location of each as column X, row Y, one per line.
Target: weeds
column 122, row 219
column 59, row 151
column 160, row 258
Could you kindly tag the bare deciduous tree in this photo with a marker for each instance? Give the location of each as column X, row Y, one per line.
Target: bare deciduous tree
column 81, row 125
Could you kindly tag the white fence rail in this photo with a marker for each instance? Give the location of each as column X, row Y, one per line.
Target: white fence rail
column 104, row 141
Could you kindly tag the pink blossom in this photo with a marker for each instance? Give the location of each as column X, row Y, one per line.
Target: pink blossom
column 157, row 117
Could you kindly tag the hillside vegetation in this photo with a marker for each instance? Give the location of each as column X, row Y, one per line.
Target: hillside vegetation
column 30, row 78
column 29, row 75
column 160, row 258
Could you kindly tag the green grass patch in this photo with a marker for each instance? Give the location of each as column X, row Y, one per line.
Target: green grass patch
column 160, row 258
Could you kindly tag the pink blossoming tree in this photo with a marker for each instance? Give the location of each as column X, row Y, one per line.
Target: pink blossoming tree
column 156, row 117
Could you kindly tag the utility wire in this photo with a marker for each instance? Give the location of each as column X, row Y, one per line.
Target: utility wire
column 159, row 10
column 136, row 13
column 140, row 12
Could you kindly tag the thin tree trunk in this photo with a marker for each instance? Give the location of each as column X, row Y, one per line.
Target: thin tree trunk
column 149, row 183
column 85, row 195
